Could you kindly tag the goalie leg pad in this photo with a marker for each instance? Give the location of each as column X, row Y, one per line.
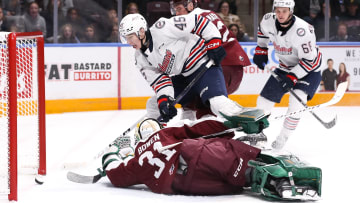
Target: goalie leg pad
column 270, row 174
column 252, row 121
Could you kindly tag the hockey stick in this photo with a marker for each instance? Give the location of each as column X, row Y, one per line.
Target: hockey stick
column 78, row 178
column 340, row 91
column 177, row 99
column 327, row 125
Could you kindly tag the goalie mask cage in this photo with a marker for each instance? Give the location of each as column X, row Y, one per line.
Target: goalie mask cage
column 22, row 108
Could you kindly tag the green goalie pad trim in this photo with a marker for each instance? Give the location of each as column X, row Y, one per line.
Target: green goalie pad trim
column 251, row 121
column 285, row 166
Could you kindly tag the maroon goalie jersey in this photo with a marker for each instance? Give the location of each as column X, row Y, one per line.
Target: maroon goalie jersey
column 235, row 53
column 156, row 165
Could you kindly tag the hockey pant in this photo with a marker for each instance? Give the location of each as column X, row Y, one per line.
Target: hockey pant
column 214, row 166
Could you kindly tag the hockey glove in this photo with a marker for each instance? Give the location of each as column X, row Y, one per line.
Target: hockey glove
column 288, row 81
column 261, row 57
column 166, row 107
column 215, row 51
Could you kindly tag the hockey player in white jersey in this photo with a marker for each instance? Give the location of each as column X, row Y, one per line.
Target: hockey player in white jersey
column 233, row 63
column 171, row 53
column 299, row 61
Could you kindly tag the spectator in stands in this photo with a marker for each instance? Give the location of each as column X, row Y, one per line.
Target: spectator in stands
column 342, row 34
column 32, row 19
column 11, row 7
column 13, row 28
column 66, row 5
column 319, row 24
column 328, row 77
column 226, row 15
column 4, row 25
column 76, row 21
column 98, row 18
column 313, row 13
column 352, row 17
column 67, row 35
column 112, row 15
column 114, row 36
column 303, row 8
column 240, row 35
column 343, row 75
column 90, row 35
column 131, row 8
column 48, row 14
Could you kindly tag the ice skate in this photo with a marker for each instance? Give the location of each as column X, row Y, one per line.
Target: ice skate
column 280, row 142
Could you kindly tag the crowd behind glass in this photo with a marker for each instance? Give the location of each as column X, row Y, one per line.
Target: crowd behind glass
column 87, row 21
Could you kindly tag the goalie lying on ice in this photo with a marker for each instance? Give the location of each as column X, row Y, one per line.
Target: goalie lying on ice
column 180, row 160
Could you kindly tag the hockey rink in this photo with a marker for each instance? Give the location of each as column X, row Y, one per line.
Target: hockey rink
column 80, row 136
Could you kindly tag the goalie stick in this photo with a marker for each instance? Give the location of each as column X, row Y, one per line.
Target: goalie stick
column 84, row 179
column 177, row 99
column 327, row 125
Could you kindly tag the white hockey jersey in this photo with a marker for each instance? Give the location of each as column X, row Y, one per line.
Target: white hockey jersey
column 177, row 47
column 296, row 48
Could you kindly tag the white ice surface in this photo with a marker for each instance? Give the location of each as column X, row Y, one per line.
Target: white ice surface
column 75, row 136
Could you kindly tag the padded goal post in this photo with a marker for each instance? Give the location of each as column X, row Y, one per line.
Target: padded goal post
column 22, row 108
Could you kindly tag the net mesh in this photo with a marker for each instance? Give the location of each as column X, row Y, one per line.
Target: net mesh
column 27, row 108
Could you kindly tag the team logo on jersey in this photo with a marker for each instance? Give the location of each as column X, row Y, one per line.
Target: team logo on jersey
column 282, row 50
column 168, row 62
column 160, row 24
column 300, row 32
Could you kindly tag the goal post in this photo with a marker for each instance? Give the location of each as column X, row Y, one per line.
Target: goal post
column 22, row 107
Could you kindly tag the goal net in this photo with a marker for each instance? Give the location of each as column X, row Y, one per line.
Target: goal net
column 22, row 108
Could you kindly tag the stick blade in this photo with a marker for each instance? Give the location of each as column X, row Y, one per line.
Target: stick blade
column 331, row 123
column 340, row 91
column 77, row 178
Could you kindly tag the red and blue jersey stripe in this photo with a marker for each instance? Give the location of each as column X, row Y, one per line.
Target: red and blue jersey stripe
column 161, row 82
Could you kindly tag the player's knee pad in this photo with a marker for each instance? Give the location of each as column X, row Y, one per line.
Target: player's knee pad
column 265, row 104
column 152, row 110
column 271, row 171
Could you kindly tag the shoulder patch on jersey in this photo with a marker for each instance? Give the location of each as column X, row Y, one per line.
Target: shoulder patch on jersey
column 300, row 32
column 267, row 16
column 159, row 24
column 311, row 29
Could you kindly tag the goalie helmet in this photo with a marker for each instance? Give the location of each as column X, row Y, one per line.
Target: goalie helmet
column 174, row 3
column 146, row 128
column 284, row 3
column 131, row 23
